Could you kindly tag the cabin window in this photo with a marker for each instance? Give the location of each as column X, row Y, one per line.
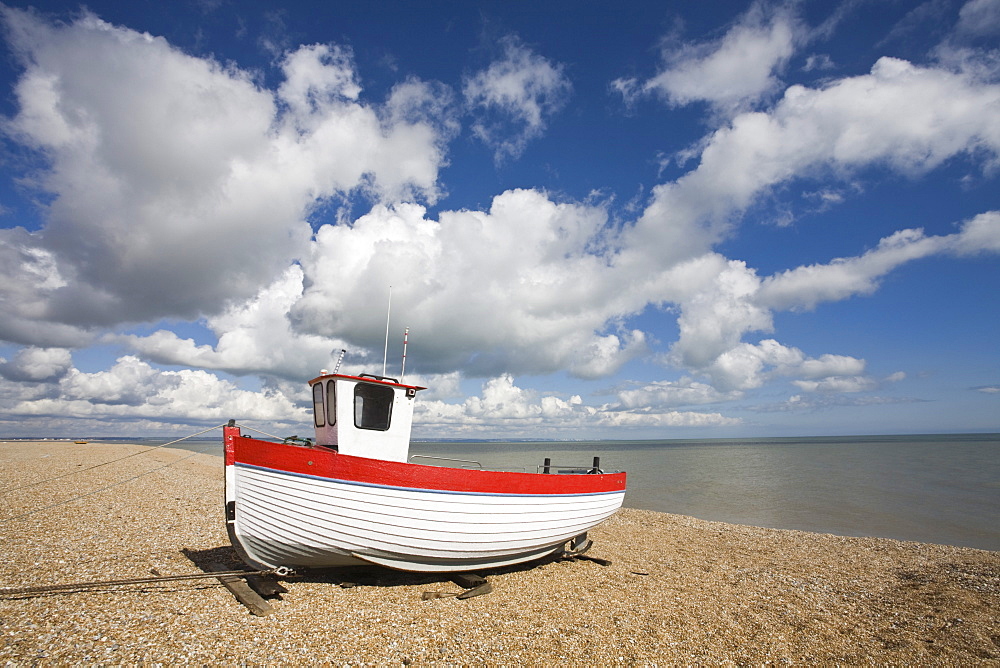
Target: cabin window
column 372, row 406
column 318, row 411
column 331, row 402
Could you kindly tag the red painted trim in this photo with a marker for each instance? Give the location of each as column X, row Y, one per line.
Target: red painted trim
column 363, row 380
column 326, row 463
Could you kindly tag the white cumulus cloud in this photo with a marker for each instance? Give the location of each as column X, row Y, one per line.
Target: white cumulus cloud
column 514, row 97
column 739, row 68
column 517, row 288
column 178, row 184
column 37, row 364
column 132, row 390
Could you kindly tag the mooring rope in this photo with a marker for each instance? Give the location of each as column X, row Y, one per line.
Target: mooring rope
column 120, row 482
column 4, row 591
column 97, row 466
column 96, row 491
column 279, row 438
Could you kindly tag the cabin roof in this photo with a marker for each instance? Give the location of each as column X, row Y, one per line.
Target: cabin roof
column 367, row 378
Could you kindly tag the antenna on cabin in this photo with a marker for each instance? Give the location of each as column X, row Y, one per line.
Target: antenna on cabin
column 385, row 353
column 339, row 360
column 406, row 335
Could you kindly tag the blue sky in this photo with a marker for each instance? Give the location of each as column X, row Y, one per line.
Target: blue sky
column 665, row 220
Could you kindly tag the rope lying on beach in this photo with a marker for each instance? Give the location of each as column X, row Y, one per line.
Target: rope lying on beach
column 96, row 466
column 4, row 591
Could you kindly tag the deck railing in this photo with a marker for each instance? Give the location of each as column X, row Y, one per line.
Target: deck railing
column 546, row 467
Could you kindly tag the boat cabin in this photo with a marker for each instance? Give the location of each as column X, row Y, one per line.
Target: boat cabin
column 364, row 416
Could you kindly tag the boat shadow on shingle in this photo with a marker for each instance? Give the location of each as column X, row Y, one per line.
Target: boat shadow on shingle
column 364, row 576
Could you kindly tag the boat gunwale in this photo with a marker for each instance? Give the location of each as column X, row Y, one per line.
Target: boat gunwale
column 324, row 463
column 429, row 490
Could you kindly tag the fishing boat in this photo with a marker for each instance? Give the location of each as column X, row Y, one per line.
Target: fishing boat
column 352, row 496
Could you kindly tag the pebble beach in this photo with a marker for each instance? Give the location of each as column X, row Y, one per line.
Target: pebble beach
column 675, row 590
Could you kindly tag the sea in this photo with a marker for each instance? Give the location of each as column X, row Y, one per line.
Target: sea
column 929, row 488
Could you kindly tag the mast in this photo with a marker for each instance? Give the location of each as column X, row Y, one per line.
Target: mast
column 385, row 353
column 406, row 334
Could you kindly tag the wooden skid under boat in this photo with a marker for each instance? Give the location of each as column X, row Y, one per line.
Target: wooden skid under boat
column 303, row 506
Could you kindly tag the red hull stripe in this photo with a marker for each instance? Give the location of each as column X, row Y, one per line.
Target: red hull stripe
column 328, row 464
column 359, row 483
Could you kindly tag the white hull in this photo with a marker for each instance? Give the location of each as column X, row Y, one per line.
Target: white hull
column 295, row 520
